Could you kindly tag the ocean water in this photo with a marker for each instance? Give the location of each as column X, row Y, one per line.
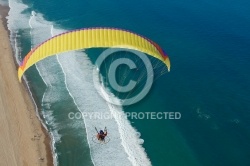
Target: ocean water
column 208, row 45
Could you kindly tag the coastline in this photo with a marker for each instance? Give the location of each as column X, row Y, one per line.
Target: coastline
column 24, row 140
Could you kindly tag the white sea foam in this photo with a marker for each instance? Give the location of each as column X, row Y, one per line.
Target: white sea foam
column 46, row 70
column 16, row 15
column 124, row 147
column 20, row 20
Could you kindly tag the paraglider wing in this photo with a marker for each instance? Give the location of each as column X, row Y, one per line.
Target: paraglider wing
column 92, row 38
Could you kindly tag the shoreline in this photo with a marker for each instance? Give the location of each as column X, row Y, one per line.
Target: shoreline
column 25, row 141
column 4, row 13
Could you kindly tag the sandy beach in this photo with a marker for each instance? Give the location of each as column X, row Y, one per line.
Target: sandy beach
column 23, row 139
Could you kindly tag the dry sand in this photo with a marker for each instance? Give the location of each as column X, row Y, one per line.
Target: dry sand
column 23, row 140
